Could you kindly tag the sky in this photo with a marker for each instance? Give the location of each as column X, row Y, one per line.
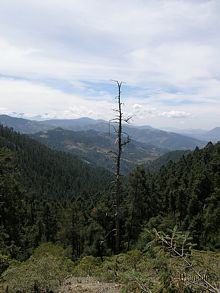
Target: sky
column 58, row 60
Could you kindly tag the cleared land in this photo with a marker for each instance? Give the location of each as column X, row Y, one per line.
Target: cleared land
column 88, row 285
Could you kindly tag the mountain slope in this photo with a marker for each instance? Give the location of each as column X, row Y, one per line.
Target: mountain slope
column 214, row 134
column 211, row 135
column 97, row 148
column 52, row 173
column 164, row 139
column 144, row 134
column 190, row 194
column 23, row 125
column 173, row 156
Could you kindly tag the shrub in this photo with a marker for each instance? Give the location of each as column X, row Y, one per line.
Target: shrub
column 43, row 271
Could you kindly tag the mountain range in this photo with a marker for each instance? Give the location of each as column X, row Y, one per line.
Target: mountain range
column 93, row 141
column 144, row 134
column 201, row 134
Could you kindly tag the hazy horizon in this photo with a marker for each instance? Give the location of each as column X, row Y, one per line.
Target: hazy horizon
column 41, row 119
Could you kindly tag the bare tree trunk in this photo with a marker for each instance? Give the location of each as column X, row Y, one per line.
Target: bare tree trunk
column 120, row 143
column 118, row 170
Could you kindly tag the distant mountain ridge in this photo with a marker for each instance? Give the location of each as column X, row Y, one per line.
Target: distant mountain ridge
column 214, row 134
column 168, row 140
column 24, row 126
column 148, row 135
column 207, row 135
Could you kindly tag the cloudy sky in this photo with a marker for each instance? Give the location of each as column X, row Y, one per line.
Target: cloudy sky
column 57, row 59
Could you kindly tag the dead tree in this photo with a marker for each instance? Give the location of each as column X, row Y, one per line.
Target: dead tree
column 122, row 139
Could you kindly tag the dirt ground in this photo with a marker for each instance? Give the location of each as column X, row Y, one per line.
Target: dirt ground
column 88, row 285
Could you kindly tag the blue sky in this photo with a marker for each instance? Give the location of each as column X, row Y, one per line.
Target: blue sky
column 57, row 59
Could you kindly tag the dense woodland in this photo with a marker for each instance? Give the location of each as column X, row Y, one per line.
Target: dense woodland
column 50, row 196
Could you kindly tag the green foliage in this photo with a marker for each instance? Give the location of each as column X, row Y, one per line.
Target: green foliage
column 186, row 272
column 176, row 242
column 174, row 156
column 50, row 196
column 188, row 193
column 157, row 272
column 141, row 205
column 52, row 173
column 4, row 263
column 87, row 266
column 45, row 270
column 14, row 208
column 137, row 282
column 38, row 191
column 138, row 271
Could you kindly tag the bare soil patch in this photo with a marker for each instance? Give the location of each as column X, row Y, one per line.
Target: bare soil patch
column 88, row 285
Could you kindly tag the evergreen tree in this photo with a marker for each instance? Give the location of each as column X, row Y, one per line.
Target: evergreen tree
column 141, row 207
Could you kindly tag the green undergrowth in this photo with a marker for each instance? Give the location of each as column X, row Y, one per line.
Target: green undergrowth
column 43, row 271
column 151, row 271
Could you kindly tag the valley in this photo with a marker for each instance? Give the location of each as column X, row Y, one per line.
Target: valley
column 93, row 141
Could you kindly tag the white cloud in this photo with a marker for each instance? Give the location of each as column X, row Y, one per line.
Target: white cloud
column 28, row 99
column 141, row 111
column 136, row 41
column 33, row 99
column 175, row 114
column 160, row 45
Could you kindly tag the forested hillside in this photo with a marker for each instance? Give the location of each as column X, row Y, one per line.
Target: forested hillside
column 175, row 156
column 97, row 148
column 189, row 193
column 37, row 184
column 49, row 196
column 52, row 173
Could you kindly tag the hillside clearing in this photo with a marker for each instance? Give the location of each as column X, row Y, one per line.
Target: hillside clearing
column 89, row 285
